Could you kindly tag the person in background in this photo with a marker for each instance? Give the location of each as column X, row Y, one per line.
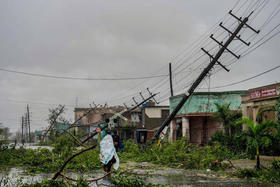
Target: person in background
column 117, row 143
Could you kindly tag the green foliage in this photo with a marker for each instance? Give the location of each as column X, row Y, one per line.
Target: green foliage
column 237, row 144
column 243, row 144
column 266, row 175
column 126, row 180
column 178, row 154
column 276, row 164
column 86, row 161
column 34, row 160
column 64, row 146
column 5, row 133
column 227, row 117
column 44, row 160
column 259, row 134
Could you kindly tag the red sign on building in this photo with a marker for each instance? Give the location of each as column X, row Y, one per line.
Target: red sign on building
column 262, row 93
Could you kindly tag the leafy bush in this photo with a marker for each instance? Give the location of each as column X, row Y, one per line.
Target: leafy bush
column 276, row 164
column 64, row 146
column 125, row 180
column 180, row 153
column 86, row 161
column 44, row 160
column 238, row 144
column 266, row 175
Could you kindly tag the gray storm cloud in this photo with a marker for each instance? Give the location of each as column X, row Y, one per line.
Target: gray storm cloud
column 102, row 39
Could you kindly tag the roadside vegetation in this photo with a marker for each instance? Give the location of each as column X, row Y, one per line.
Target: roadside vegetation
column 44, row 160
column 261, row 138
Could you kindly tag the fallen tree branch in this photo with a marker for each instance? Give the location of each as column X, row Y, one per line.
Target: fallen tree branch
column 231, row 164
column 65, row 178
column 97, row 179
column 69, row 159
column 94, row 133
column 78, row 141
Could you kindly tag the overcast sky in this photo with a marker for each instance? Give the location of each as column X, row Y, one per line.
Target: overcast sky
column 111, row 39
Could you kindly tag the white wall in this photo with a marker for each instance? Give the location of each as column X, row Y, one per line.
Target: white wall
column 154, row 112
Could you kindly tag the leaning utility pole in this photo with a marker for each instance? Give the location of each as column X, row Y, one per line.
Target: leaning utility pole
column 214, row 60
column 170, row 79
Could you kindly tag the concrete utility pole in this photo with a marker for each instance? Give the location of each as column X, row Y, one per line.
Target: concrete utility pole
column 214, row 60
column 28, row 124
column 22, row 124
column 170, row 79
column 26, row 127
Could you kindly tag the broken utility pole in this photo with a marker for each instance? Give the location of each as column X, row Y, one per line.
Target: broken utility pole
column 214, row 60
column 94, row 133
column 126, row 110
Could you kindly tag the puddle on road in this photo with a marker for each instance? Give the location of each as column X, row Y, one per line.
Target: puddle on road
column 174, row 177
column 151, row 174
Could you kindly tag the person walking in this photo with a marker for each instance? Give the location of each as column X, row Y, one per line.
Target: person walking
column 108, row 155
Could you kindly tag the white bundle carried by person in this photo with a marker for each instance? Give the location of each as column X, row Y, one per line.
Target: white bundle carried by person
column 108, row 151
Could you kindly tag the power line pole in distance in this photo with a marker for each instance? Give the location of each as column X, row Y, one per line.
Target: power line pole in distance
column 170, row 79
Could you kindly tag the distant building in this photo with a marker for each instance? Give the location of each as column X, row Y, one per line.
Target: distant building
column 194, row 118
column 152, row 117
column 61, row 127
column 139, row 124
column 259, row 99
column 96, row 116
column 38, row 136
column 124, row 125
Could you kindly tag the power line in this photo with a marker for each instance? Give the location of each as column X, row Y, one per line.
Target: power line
column 244, row 80
column 259, row 6
column 183, row 57
column 81, row 78
column 31, row 102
